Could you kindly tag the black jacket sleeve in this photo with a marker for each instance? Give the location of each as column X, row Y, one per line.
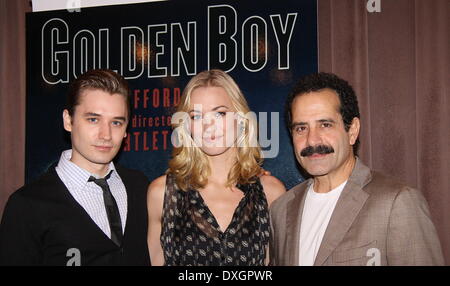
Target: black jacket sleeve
column 19, row 243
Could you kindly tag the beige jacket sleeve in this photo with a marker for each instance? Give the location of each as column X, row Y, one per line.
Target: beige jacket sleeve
column 412, row 238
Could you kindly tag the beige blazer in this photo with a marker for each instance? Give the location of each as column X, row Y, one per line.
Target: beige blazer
column 376, row 222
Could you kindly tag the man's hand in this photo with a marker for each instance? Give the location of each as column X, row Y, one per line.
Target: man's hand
column 264, row 173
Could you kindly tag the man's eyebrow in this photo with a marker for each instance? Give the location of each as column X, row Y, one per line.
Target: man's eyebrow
column 295, row 124
column 298, row 123
column 326, row 120
column 91, row 114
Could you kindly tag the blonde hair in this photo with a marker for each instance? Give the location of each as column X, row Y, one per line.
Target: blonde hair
column 189, row 165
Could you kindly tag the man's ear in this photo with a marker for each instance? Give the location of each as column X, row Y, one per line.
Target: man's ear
column 67, row 120
column 353, row 131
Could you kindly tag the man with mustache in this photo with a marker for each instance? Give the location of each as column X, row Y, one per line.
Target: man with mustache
column 345, row 214
column 85, row 210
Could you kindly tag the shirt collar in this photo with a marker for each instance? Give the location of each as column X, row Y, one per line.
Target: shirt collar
column 333, row 191
column 82, row 175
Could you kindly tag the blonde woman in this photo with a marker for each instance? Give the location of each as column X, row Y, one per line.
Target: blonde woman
column 211, row 207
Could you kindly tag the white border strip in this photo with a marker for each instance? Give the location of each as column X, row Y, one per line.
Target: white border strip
column 49, row 5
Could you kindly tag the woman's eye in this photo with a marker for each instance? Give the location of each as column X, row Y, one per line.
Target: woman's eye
column 220, row 114
column 196, row 116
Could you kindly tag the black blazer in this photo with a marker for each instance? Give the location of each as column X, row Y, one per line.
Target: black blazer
column 43, row 224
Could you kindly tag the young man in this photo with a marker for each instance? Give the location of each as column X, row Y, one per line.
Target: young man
column 86, row 210
column 346, row 214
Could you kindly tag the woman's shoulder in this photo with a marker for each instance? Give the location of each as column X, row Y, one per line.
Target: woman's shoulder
column 159, row 182
column 157, row 187
column 273, row 188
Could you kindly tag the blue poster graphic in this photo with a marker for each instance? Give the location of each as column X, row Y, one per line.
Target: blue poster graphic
column 158, row 46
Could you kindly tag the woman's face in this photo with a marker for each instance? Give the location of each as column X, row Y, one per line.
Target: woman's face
column 213, row 120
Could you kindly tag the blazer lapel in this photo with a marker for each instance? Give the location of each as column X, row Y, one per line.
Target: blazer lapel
column 90, row 225
column 293, row 223
column 351, row 201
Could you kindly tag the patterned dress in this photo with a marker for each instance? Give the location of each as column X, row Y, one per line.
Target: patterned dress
column 191, row 235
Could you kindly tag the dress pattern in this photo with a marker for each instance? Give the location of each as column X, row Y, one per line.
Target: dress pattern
column 191, row 236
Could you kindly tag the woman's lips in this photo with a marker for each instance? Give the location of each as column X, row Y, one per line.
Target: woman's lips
column 212, row 139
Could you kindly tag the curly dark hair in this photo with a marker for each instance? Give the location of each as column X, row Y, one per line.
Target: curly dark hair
column 314, row 82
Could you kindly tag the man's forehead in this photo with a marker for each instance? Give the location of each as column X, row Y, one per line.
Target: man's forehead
column 324, row 99
column 95, row 92
column 315, row 113
column 325, row 94
column 101, row 103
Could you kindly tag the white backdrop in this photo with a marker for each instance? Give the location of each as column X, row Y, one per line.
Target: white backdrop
column 47, row 5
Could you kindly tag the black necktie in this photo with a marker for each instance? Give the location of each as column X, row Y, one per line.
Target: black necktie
column 112, row 210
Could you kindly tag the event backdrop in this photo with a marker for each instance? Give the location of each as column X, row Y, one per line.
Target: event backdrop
column 264, row 45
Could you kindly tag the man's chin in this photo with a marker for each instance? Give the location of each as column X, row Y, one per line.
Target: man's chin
column 317, row 173
column 316, row 170
column 102, row 160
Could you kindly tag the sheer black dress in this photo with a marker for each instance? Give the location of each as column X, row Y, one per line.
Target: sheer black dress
column 191, row 235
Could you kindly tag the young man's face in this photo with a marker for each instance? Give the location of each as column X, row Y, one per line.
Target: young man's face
column 97, row 129
column 317, row 122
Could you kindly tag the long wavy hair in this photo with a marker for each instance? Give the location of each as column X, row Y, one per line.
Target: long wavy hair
column 189, row 164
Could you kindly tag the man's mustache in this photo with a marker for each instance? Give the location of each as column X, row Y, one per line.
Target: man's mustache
column 319, row 149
